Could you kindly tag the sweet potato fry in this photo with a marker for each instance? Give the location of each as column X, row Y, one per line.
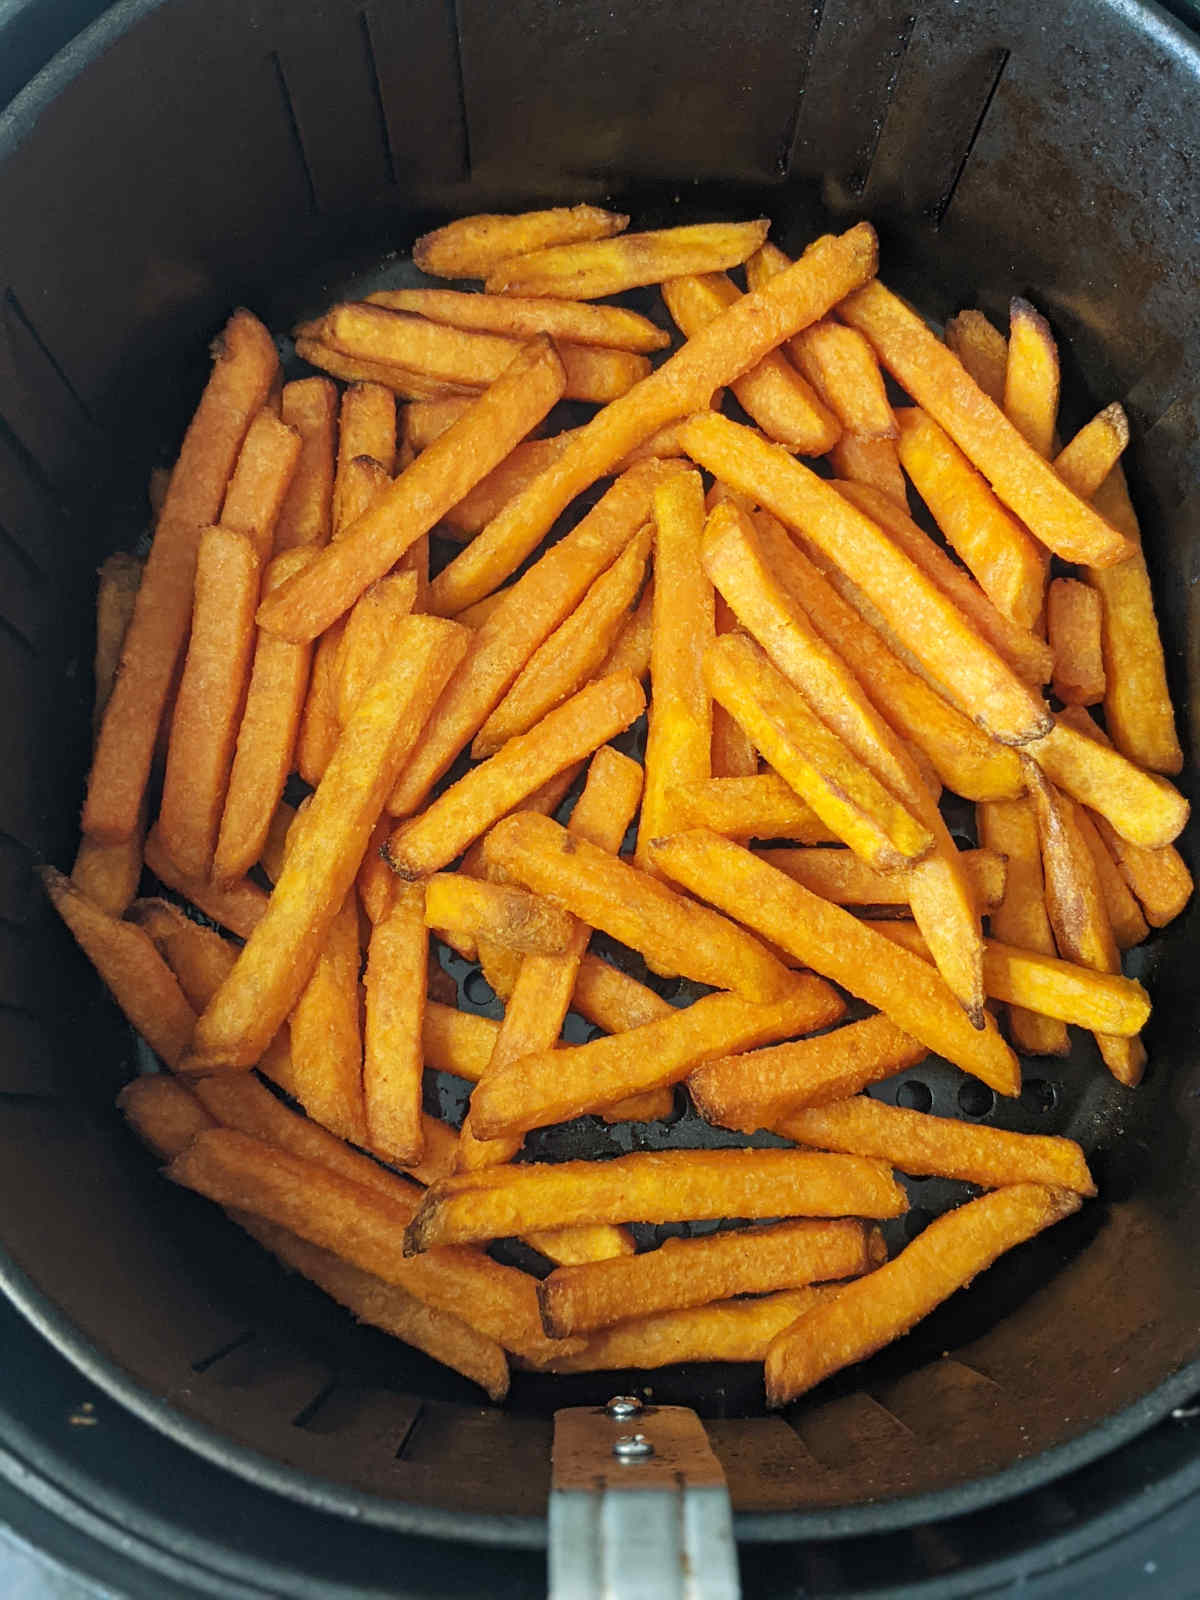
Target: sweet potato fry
column 1073, row 622
column 679, row 721
column 164, row 1114
column 366, row 427
column 468, row 808
column 654, row 1186
column 368, row 637
column 509, row 916
column 873, row 1311
column 325, row 1032
column 1031, row 378
column 423, row 421
column 309, row 405
column 212, row 692
column 833, row 942
column 1010, row 828
column 457, row 1041
column 325, row 856
column 116, row 595
column 199, row 957
column 818, row 765
column 1026, row 653
column 925, row 1146
column 1094, row 451
column 265, row 467
column 1144, row 808
column 928, row 622
column 779, row 399
column 761, row 1089
column 1077, row 910
column 237, row 906
column 936, row 380
column 855, row 459
column 554, row 1085
column 596, row 268
column 962, row 755
column 733, row 756
column 840, row 876
column 109, row 874
column 395, row 982
column 1009, row 564
column 982, row 349
column 266, row 739
column 575, row 321
column 244, row 369
column 275, row 845
column 761, row 807
column 532, row 608
column 615, row 1002
column 841, row 366
column 730, row 345
column 440, row 1147
column 399, row 381
column 470, row 247
column 491, row 494
column 607, row 893
column 317, row 735
column 365, row 1228
column 419, row 497
column 727, row 1330
column 136, row 976
column 572, row 1247
column 695, row 1272
column 1128, row 924
column 573, row 653
column 1137, row 702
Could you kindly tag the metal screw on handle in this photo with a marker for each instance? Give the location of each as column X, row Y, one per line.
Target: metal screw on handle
column 632, row 1447
column 622, row 1406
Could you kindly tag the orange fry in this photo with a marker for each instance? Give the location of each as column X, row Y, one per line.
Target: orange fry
column 1143, row 807
column 325, row 1033
column 116, row 596
column 309, row 405
column 499, row 912
column 261, row 479
column 1128, row 924
column 596, row 268
column 761, row 807
column 393, row 1060
column 1094, row 451
column 733, row 756
column 199, row 957
column 491, row 494
column 1031, row 377
column 840, row 876
column 876, row 462
column 470, row 247
column 423, row 421
column 575, row 321
column 1073, row 623
column 368, row 637
column 237, row 906
column 164, row 1114
column 399, row 381
column 109, row 874
column 982, row 349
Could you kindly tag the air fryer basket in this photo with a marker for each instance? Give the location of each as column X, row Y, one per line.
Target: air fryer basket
column 187, row 156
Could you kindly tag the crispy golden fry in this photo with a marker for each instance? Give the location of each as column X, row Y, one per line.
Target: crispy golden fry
column 266, row 739
column 491, row 494
column 695, row 1272
column 654, row 1186
column 730, row 345
column 761, row 807
column 393, row 1060
column 1078, row 914
column 1031, row 378
column 274, row 849
column 1144, row 808
column 136, row 976
column 199, row 957
column 244, row 370
column 1098, row 1001
column 818, row 765
column 1094, row 451
column 109, row 874
column 679, row 721
column 835, row 943
column 778, row 398
column 533, row 607
column 982, row 349
column 471, row 246
column 571, row 1247
column 573, row 653
column 306, row 517
column 1073, row 623
column 423, row 421
column 509, row 916
column 962, row 755
column 468, row 808
column 1028, row 655
column 419, row 497
column 459, row 356
column 1137, row 702
column 1128, row 924
column 592, row 270
column 610, row 894
column 1008, row 563
column 575, row 321
column 761, row 1089
column 457, row 1041
column 936, row 380
column 369, row 635
column 554, row 1085
column 365, row 1228
column 733, row 756
column 209, row 703
column 475, row 616
column 325, row 1032
column 261, row 479
column 840, row 876
column 237, row 906
column 164, row 1114
column 440, row 1148
column 116, row 595
column 366, row 427
column 919, row 611
column 728, row 1330
column 926, row 1146
column 325, row 856
column 1010, row 828
column 440, row 1334
column 615, row 1002
column 317, row 735
column 872, row 1312
column 872, row 461
column 399, row 381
